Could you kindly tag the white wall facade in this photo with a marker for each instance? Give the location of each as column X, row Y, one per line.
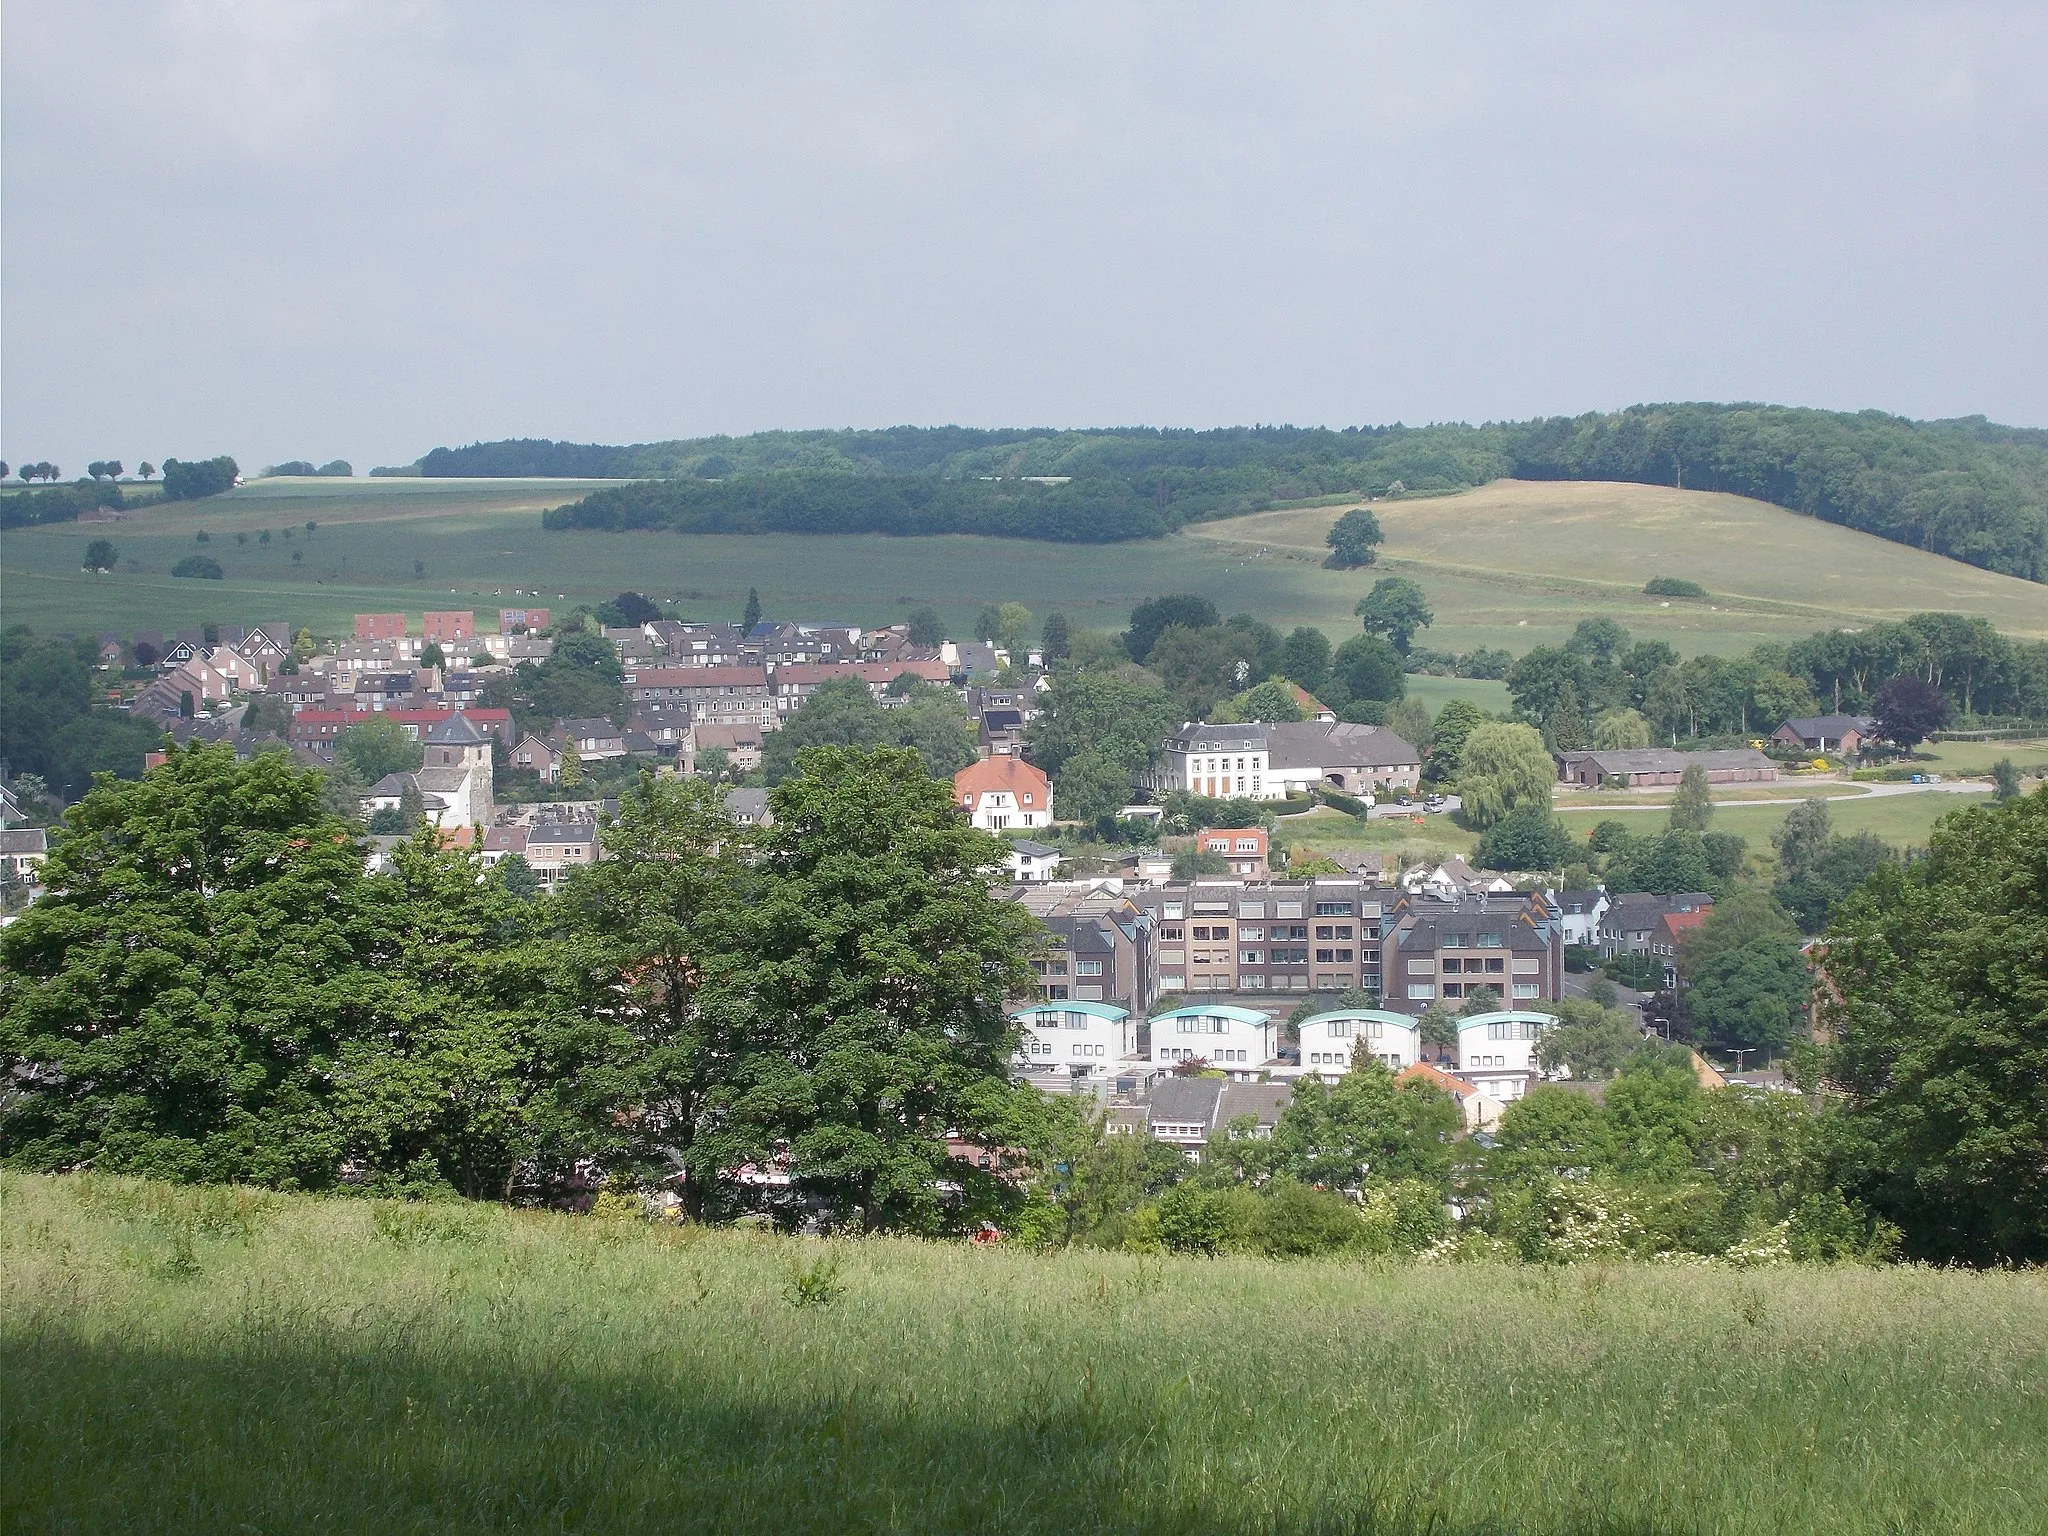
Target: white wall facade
column 1502, row 1042
column 1329, row 1039
column 1082, row 1040
column 1233, row 1040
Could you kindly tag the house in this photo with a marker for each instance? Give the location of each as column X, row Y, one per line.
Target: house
column 1031, row 863
column 1240, row 1042
column 1000, row 792
column 447, row 626
column 667, row 730
column 1580, row 912
column 536, row 755
column 388, row 793
column 1351, row 759
column 1244, row 848
column 593, row 739
column 1646, row 767
column 1481, row 1112
column 1632, row 922
column 741, row 744
column 554, row 850
column 698, row 645
column 1328, row 1041
column 1670, row 932
column 1232, row 936
column 1844, row 735
column 1511, row 946
column 1220, row 762
column 501, row 843
column 1080, row 1040
column 1000, row 733
column 1185, row 1111
column 1497, row 1052
column 1099, row 945
column 1451, row 879
column 1311, row 707
column 749, row 807
column 22, row 851
column 1268, row 762
column 380, row 626
column 512, row 620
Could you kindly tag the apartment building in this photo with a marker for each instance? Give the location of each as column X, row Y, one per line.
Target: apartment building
column 449, row 625
column 1101, row 946
column 380, row 626
column 1447, row 951
column 725, row 695
column 1231, row 936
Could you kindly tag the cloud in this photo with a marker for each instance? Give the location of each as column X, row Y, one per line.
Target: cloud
column 363, row 230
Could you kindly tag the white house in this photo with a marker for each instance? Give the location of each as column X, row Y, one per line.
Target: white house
column 1031, row 863
column 1580, row 913
column 1238, row 1041
column 1224, row 762
column 1002, row 792
column 1080, row 1039
column 1497, row 1051
column 1328, row 1040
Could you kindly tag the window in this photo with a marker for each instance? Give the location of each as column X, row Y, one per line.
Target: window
column 1453, row 965
column 1528, row 989
column 1294, row 931
column 1172, row 911
column 1333, row 909
column 1288, row 909
column 1249, row 957
column 1325, row 931
column 1493, row 967
column 1489, row 941
column 1500, row 1030
column 1247, row 845
column 1251, row 909
column 1057, row 994
column 1454, row 989
column 1528, row 967
column 1087, row 967
column 1423, row 968
column 1343, row 957
column 1250, row 935
column 1340, row 1029
column 1419, row 990
column 1171, row 935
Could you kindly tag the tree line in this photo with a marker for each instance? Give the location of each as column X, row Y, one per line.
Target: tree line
column 797, row 1020
column 1967, row 489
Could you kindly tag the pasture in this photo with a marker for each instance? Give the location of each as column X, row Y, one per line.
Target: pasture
column 219, row 1360
column 1510, row 565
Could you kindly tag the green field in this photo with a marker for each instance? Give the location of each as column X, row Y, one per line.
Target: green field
column 1557, row 553
column 1899, row 819
column 216, row 1360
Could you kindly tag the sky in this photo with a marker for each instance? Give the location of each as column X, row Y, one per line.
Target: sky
column 318, row 230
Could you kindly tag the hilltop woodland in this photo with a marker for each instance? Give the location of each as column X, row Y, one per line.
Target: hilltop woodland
column 213, row 990
column 1968, row 489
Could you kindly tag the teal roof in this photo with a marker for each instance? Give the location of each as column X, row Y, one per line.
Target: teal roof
column 1218, row 1011
column 1093, row 1010
column 1404, row 1020
column 1507, row 1016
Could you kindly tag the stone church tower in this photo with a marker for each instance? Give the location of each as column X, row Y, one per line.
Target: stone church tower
column 458, row 770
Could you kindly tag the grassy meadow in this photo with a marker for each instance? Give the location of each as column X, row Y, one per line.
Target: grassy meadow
column 221, row 1360
column 1511, row 565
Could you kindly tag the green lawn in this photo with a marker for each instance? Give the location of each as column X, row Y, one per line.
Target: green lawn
column 1977, row 757
column 1900, row 819
column 213, row 1361
column 1524, row 573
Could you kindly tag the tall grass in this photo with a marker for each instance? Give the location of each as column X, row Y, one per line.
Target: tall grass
column 221, row 1360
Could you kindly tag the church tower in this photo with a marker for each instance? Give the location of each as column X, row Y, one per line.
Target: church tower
column 458, row 747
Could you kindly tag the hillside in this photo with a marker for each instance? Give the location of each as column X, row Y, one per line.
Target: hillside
column 1969, row 489
column 1513, row 565
column 221, row 1359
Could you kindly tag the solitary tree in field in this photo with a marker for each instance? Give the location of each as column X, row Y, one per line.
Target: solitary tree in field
column 1355, row 539
column 99, row 556
column 310, row 526
column 1396, row 607
column 145, row 469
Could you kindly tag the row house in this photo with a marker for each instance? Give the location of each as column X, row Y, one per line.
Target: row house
column 512, row 649
column 512, row 621
column 1100, row 945
column 1075, row 1040
column 783, row 644
column 1185, row 1111
column 444, row 628
column 380, row 626
column 555, row 850
column 593, row 739
column 317, row 729
column 741, row 744
column 698, row 645
column 795, row 682
column 731, row 695
column 1331, row 1042
column 1632, row 922
column 1242, row 1043
column 1228, row 936
column 1431, row 951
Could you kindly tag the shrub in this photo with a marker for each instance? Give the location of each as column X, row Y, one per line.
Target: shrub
column 199, row 566
column 1673, row 586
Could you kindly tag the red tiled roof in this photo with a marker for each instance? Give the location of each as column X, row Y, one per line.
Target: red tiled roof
column 1003, row 773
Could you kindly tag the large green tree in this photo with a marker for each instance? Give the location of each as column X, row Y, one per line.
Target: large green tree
column 843, row 713
column 1354, row 539
column 378, row 747
column 1504, row 766
column 1395, row 608
column 176, row 1003
column 1941, row 1049
column 1122, row 713
column 876, row 964
column 1364, row 1128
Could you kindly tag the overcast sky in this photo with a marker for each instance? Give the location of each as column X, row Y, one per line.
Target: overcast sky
column 312, row 230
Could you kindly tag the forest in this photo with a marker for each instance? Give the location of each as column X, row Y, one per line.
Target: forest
column 1967, row 489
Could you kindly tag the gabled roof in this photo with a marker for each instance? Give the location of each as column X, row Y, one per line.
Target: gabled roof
column 1828, row 725
column 1436, row 1077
